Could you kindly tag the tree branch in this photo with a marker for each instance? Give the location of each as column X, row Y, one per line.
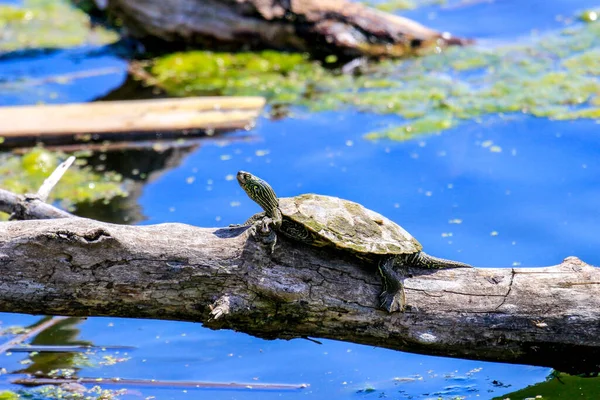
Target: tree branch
column 225, row 279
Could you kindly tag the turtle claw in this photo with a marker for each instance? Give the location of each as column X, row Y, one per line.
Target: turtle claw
column 392, row 302
column 262, row 233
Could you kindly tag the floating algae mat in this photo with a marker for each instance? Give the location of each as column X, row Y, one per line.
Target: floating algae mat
column 559, row 386
column 43, row 24
column 26, row 173
column 554, row 76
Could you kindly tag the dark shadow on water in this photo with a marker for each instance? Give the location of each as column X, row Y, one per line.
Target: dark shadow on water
column 119, row 210
column 62, row 333
column 138, row 166
column 133, row 89
column 142, row 164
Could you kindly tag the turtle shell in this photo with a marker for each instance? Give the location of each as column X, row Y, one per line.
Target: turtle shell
column 345, row 225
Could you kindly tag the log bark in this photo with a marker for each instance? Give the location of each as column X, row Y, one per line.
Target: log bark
column 224, row 278
column 318, row 26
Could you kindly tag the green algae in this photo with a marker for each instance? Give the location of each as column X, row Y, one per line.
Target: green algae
column 559, row 386
column 396, row 5
column 279, row 77
column 26, row 173
column 6, row 395
column 408, row 131
column 42, row 24
column 71, row 391
column 554, row 76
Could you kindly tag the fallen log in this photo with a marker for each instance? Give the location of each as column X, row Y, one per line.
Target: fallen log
column 326, row 27
column 126, row 120
column 223, row 278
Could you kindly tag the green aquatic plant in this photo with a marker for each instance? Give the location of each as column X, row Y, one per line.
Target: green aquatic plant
column 555, row 76
column 395, row 5
column 6, row 395
column 71, row 391
column 281, row 77
column 48, row 24
column 559, row 386
column 26, row 173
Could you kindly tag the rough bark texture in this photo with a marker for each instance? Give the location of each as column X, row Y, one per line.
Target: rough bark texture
column 225, row 279
column 326, row 26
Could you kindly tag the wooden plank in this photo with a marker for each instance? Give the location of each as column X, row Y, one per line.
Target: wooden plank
column 158, row 115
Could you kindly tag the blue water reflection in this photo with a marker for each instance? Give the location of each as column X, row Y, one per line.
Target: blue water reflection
column 59, row 76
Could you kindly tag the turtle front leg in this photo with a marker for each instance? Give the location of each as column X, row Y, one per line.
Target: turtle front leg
column 264, row 233
column 392, row 298
column 250, row 221
column 261, row 230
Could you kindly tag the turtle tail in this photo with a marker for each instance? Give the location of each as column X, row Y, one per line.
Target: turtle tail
column 424, row 260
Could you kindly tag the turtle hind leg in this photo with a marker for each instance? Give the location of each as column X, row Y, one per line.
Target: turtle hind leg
column 423, row 260
column 392, row 298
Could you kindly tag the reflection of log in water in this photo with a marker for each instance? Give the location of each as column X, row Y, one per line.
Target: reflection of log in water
column 48, row 331
column 31, row 331
column 64, row 332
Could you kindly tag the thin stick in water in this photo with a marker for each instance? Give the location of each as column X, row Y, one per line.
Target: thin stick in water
column 153, row 382
column 32, row 332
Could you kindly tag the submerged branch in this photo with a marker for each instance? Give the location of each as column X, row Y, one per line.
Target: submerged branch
column 79, row 267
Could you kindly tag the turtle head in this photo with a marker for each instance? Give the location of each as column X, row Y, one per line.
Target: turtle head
column 259, row 191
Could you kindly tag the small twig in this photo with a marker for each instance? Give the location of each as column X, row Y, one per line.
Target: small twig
column 35, row 206
column 32, row 332
column 65, row 349
column 53, row 179
column 153, row 382
column 311, row 340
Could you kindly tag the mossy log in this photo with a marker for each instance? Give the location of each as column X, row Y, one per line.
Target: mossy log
column 223, row 278
column 317, row 26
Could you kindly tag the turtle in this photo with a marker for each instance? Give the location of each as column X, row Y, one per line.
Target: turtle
column 331, row 222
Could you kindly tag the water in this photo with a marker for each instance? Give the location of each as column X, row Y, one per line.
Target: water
column 532, row 204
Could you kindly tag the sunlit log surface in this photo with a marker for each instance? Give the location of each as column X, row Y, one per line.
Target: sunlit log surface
column 126, row 120
column 321, row 26
column 80, row 267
